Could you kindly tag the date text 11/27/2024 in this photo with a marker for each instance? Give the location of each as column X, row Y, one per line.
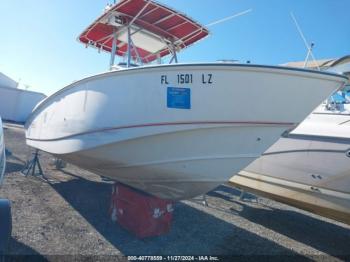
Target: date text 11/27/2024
column 173, row 258
column 206, row 79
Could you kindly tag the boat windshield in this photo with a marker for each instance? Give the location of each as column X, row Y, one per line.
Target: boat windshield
column 341, row 97
column 339, row 102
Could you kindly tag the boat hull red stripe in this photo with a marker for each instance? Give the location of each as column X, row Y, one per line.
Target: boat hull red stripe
column 263, row 123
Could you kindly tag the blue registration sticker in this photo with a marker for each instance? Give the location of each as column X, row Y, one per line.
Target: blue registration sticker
column 179, row 98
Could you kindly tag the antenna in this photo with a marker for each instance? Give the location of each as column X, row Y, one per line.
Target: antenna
column 229, row 18
column 309, row 47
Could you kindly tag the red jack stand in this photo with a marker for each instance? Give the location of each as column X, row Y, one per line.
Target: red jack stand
column 142, row 214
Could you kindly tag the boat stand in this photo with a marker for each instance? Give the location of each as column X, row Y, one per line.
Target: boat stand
column 253, row 199
column 59, row 163
column 241, row 196
column 202, row 199
column 30, row 167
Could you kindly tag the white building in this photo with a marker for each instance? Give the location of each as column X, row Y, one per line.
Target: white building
column 6, row 81
column 16, row 104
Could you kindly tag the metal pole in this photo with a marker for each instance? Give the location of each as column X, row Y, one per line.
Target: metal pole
column 137, row 52
column 175, row 55
column 159, row 59
column 114, row 49
column 129, row 47
column 309, row 51
column 309, row 48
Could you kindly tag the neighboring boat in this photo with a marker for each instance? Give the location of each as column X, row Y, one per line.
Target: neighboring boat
column 5, row 205
column 178, row 130
column 2, row 154
column 310, row 167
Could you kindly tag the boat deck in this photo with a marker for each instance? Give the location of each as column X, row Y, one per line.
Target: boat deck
column 69, row 216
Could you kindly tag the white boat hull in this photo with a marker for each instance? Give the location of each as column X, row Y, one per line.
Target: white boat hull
column 163, row 166
column 121, row 124
column 310, row 171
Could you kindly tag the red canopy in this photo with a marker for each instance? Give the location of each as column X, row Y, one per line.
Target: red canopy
column 155, row 29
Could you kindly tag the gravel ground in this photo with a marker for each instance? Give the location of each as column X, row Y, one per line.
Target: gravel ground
column 68, row 215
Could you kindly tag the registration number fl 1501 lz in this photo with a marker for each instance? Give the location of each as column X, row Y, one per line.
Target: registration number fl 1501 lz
column 206, row 79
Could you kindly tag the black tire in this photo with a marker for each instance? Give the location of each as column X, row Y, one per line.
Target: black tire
column 5, row 225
